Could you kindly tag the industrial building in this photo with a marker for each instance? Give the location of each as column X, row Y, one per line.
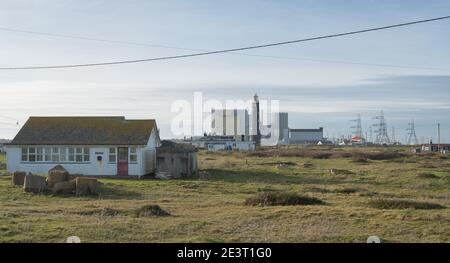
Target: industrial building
column 227, row 143
column 305, row 136
column 237, row 129
column 234, row 122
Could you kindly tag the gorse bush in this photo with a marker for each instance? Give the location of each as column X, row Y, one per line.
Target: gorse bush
column 150, row 210
column 281, row 199
column 402, row 204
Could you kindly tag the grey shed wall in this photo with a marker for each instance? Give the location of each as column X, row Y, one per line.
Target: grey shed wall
column 178, row 164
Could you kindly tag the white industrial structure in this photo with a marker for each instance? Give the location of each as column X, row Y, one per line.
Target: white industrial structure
column 229, row 127
column 233, row 122
column 217, row 143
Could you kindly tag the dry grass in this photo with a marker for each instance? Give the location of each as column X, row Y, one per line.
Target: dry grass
column 214, row 210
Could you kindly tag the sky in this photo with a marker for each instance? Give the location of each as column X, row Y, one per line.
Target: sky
column 314, row 89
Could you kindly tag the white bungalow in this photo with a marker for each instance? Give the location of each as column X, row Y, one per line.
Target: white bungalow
column 95, row 146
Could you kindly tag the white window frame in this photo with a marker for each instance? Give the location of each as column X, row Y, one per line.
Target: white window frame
column 110, row 154
column 54, row 154
column 130, row 153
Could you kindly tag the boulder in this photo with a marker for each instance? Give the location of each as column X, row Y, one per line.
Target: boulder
column 18, row 178
column 73, row 176
column 57, row 168
column 34, row 183
column 64, row 187
column 86, row 186
column 57, row 176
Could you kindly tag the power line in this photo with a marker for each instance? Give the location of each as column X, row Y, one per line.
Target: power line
column 227, row 50
column 231, row 53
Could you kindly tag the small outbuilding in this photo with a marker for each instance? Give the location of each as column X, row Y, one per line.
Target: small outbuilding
column 176, row 159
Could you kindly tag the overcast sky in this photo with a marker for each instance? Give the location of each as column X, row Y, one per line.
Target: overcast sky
column 314, row 93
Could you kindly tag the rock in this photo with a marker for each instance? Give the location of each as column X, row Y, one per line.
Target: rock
column 64, row 187
column 57, row 176
column 18, row 178
column 57, row 168
column 34, row 183
column 73, row 176
column 86, row 186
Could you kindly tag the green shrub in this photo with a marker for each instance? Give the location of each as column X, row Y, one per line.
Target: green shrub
column 281, row 199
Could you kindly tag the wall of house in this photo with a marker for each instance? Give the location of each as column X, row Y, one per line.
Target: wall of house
column 93, row 167
column 148, row 156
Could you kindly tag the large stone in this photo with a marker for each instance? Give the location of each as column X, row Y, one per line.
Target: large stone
column 34, row 183
column 73, row 176
column 18, row 178
column 57, row 176
column 64, row 187
column 57, row 168
column 86, row 186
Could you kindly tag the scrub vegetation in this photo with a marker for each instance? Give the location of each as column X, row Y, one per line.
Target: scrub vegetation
column 319, row 194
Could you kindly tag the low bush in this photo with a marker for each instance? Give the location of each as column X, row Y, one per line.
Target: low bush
column 150, row 210
column 402, row 204
column 427, row 176
column 281, row 199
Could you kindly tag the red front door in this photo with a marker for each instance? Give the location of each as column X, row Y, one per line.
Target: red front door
column 122, row 161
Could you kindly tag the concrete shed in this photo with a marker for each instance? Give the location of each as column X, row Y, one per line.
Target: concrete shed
column 176, row 159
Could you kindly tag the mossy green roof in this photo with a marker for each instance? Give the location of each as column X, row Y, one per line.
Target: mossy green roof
column 84, row 131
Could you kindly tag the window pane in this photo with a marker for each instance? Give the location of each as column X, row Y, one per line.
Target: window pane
column 112, row 155
column 39, row 154
column 47, row 154
column 24, row 154
column 62, row 154
column 112, row 158
column 133, row 150
column 78, row 154
column 71, row 154
column 32, row 154
column 86, row 154
column 133, row 158
column 55, row 154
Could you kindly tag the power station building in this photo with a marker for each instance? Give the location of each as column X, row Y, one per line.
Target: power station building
column 305, row 136
column 233, row 128
column 234, row 123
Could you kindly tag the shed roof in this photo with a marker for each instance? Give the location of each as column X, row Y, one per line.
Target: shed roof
column 173, row 147
column 84, row 131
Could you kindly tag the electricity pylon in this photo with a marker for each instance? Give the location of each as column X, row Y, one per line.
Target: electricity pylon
column 412, row 134
column 381, row 132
